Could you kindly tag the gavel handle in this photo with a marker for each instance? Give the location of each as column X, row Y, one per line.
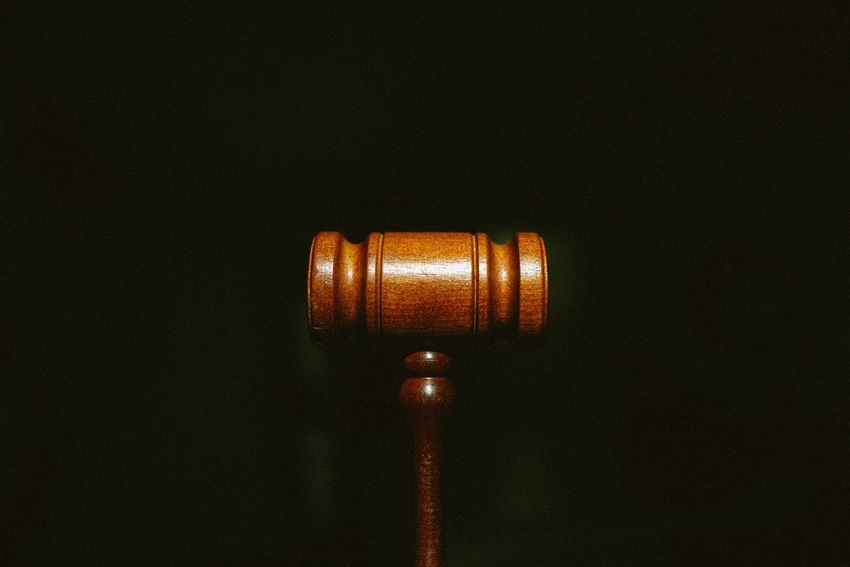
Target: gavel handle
column 428, row 400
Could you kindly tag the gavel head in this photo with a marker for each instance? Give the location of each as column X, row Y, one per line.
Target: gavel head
column 427, row 287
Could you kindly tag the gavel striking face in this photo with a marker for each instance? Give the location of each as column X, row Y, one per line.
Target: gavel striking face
column 425, row 289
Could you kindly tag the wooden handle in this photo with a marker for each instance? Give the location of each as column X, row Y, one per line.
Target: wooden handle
column 428, row 397
column 427, row 285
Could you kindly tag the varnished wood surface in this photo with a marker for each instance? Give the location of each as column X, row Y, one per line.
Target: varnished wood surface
column 428, row 397
column 420, row 284
column 427, row 288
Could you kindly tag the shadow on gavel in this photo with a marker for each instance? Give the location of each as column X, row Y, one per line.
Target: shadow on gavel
column 425, row 293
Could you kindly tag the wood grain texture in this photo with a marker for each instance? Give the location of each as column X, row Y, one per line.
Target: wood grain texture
column 428, row 398
column 427, row 288
column 421, row 285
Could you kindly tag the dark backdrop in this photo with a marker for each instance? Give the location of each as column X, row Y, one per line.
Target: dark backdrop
column 164, row 170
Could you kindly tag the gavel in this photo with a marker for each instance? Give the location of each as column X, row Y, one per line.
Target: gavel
column 427, row 291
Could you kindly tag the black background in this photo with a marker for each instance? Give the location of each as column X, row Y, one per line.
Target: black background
column 164, row 170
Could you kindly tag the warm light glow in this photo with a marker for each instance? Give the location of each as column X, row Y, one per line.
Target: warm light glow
column 458, row 268
column 429, row 389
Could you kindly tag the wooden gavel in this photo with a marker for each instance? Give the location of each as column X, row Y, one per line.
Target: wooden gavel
column 420, row 290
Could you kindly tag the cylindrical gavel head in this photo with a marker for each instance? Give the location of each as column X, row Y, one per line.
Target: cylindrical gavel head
column 421, row 285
